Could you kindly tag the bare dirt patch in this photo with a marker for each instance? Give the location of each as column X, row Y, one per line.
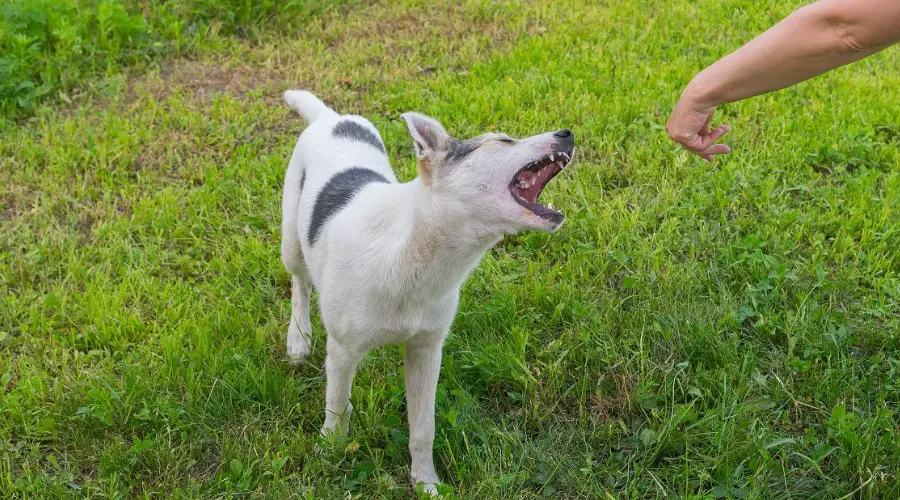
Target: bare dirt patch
column 13, row 200
column 200, row 79
column 619, row 403
column 344, row 54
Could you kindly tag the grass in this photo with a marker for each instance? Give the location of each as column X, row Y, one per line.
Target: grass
column 725, row 331
column 50, row 47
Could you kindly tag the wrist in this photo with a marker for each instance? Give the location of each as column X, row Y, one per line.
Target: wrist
column 700, row 92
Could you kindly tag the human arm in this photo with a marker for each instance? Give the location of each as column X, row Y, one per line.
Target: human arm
column 814, row 39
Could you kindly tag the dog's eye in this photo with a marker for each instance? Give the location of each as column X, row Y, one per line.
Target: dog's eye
column 507, row 140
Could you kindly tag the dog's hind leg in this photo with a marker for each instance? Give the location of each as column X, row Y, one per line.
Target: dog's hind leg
column 299, row 336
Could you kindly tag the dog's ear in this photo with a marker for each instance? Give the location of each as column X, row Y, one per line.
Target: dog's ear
column 428, row 135
column 429, row 138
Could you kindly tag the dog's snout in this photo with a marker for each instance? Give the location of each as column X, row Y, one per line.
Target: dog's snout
column 565, row 139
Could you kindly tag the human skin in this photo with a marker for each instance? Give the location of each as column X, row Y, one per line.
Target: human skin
column 811, row 41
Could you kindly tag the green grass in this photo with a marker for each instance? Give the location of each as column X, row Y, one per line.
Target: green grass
column 724, row 331
column 50, row 48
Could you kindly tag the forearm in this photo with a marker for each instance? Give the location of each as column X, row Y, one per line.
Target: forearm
column 811, row 41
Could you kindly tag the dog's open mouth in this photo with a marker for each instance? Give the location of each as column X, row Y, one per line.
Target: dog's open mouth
column 528, row 183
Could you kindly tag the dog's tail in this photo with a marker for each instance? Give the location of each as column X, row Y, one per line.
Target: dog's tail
column 307, row 105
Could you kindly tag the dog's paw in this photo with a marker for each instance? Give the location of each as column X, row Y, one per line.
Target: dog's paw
column 297, row 355
column 428, row 490
column 331, row 438
column 426, row 482
column 298, row 348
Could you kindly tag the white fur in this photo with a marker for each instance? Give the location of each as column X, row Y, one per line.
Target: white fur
column 388, row 267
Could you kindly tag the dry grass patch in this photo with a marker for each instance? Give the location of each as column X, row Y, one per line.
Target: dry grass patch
column 346, row 54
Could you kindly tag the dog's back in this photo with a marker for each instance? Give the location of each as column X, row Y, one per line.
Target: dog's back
column 336, row 157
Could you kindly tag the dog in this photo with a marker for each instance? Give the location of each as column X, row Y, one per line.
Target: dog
column 388, row 258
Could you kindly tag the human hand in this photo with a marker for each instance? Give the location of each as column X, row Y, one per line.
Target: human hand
column 689, row 126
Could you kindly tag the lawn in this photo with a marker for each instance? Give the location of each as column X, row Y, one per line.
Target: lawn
column 709, row 331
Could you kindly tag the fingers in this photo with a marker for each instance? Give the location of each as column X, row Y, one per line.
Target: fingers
column 715, row 135
column 717, row 149
column 708, row 148
column 719, row 132
column 711, row 152
column 690, row 127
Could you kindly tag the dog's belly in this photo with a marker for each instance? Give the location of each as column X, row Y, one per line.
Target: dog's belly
column 367, row 323
column 382, row 337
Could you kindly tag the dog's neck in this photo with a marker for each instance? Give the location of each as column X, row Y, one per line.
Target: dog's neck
column 445, row 241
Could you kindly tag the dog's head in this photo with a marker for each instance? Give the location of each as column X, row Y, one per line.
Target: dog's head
column 496, row 177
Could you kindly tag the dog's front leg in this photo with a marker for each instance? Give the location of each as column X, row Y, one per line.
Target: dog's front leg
column 422, row 360
column 340, row 366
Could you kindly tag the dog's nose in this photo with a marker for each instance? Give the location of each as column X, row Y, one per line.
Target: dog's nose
column 563, row 134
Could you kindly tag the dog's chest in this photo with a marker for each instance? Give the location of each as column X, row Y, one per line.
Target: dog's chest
column 388, row 318
column 403, row 324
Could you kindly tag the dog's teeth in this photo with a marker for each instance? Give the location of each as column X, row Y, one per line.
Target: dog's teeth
column 551, row 157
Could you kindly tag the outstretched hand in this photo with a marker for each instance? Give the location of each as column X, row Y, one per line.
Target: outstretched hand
column 689, row 126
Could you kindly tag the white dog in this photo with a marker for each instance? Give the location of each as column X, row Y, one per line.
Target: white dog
column 388, row 258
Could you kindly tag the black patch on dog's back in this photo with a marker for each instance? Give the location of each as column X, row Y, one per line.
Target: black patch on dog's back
column 459, row 149
column 337, row 193
column 353, row 131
